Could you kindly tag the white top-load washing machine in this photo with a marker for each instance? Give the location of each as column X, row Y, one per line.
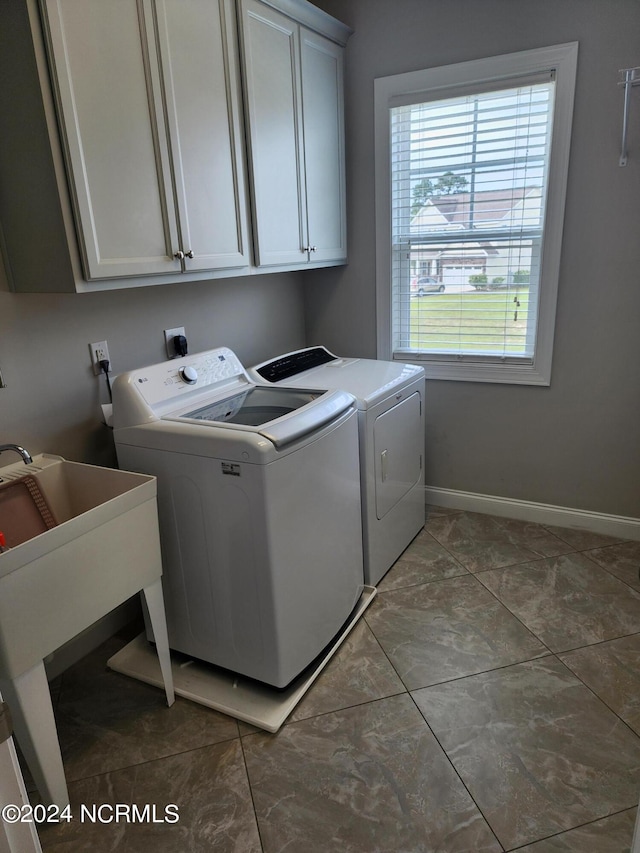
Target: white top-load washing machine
column 390, row 400
column 259, row 507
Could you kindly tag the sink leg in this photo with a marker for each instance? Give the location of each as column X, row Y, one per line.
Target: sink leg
column 18, row 836
column 35, row 729
column 155, row 606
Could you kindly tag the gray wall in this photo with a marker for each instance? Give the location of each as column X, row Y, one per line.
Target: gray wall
column 575, row 444
column 52, row 399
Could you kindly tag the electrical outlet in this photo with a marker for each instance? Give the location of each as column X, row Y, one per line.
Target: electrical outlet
column 169, row 335
column 99, row 351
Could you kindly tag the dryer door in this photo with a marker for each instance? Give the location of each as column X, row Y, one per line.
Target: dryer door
column 398, row 446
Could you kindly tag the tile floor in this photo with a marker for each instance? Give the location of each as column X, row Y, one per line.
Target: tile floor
column 488, row 701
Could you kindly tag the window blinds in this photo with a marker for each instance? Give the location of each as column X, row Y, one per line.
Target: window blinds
column 468, row 187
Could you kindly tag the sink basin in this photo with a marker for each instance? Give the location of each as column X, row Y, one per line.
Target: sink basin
column 103, row 549
column 85, row 539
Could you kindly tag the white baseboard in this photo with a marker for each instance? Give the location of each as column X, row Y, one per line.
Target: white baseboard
column 619, row 526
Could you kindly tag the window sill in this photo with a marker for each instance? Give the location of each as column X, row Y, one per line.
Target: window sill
column 508, row 373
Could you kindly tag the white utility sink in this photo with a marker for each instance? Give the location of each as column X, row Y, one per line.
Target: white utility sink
column 65, row 569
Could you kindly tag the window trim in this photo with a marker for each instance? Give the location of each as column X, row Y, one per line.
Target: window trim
column 561, row 59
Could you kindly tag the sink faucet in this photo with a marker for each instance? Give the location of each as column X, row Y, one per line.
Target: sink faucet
column 25, row 455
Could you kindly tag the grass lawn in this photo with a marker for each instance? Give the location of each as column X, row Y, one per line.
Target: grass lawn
column 479, row 321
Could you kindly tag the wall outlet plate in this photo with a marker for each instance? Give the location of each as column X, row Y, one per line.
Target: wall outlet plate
column 169, row 335
column 99, row 351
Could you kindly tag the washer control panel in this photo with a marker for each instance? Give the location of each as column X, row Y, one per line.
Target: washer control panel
column 188, row 374
column 167, row 382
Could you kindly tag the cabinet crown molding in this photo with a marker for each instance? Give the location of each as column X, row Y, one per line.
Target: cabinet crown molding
column 315, row 19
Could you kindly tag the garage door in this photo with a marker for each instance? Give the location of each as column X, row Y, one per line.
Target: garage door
column 459, row 275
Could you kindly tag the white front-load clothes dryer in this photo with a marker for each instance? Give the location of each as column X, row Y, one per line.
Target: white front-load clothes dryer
column 390, row 400
column 259, row 507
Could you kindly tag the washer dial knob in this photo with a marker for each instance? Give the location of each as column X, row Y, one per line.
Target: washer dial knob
column 188, row 374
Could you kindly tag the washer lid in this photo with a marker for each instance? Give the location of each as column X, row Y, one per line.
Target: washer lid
column 279, row 414
column 254, row 406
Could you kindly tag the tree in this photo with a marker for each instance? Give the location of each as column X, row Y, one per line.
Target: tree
column 422, row 192
column 448, row 184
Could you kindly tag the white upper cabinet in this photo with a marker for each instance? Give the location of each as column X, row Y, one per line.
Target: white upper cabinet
column 131, row 155
column 323, row 123
column 295, row 127
column 198, row 57
column 149, row 108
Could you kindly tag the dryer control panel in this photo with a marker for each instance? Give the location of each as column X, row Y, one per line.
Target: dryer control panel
column 294, row 363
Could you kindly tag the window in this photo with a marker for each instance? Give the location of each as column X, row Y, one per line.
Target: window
column 471, row 169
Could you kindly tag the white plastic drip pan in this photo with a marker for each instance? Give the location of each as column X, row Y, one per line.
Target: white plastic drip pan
column 247, row 700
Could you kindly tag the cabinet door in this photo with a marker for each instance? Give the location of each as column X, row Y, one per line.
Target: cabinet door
column 271, row 57
column 198, row 59
column 322, row 97
column 117, row 160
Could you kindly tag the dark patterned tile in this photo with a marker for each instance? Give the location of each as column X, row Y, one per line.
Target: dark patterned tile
column 622, row 560
column 206, row 789
column 108, row 721
column 567, row 601
column 356, row 768
column 612, row 671
column 446, row 630
column 83, row 833
column 364, row 779
column 423, row 561
column 434, row 511
column 610, row 835
column 539, row 753
column 581, row 540
column 211, row 789
column 484, row 542
column 359, row 672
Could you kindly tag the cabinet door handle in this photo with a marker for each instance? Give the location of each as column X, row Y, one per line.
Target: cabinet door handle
column 189, row 254
column 179, row 256
column 309, row 249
